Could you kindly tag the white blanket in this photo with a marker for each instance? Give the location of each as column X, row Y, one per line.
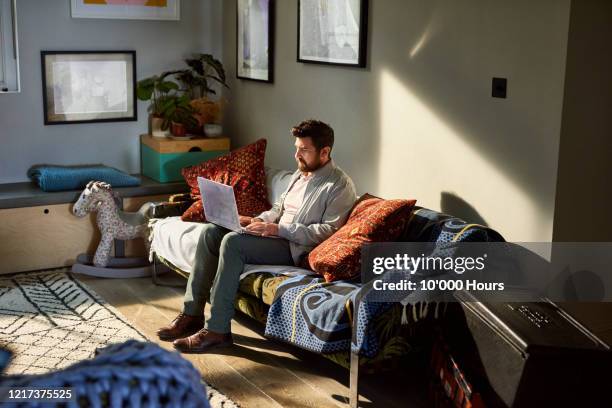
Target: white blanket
column 176, row 241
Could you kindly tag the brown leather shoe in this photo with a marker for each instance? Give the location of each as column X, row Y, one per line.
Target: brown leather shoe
column 203, row 341
column 182, row 326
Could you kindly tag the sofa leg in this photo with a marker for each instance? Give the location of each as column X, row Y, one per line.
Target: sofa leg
column 154, row 274
column 156, row 280
column 354, row 381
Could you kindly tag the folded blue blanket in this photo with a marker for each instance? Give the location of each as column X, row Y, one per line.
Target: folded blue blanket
column 63, row 178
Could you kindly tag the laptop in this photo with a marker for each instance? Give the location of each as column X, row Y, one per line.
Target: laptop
column 220, row 205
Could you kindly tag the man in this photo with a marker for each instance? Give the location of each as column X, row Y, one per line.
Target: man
column 316, row 203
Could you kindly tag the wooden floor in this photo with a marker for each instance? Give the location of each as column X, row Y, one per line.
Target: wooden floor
column 255, row 372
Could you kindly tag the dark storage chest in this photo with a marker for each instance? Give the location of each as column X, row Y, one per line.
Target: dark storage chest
column 528, row 354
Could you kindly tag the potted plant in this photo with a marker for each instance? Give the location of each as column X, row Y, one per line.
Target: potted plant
column 177, row 115
column 203, row 71
column 159, row 90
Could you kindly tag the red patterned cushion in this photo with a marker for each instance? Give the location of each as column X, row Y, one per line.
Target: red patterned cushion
column 242, row 169
column 372, row 220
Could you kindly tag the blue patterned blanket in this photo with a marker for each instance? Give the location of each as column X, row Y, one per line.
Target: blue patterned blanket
column 65, row 178
column 316, row 316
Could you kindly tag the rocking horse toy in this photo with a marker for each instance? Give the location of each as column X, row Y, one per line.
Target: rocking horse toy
column 113, row 224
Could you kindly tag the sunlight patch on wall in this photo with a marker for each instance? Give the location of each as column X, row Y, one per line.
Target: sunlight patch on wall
column 420, row 157
column 423, row 39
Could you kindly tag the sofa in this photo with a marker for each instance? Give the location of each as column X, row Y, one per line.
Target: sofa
column 399, row 332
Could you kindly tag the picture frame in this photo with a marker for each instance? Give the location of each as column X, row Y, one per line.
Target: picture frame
column 255, row 40
column 333, row 32
column 127, row 9
column 88, row 86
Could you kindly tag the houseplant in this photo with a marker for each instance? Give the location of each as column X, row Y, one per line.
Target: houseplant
column 204, row 71
column 177, row 115
column 159, row 90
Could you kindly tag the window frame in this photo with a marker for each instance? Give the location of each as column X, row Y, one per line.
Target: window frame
column 9, row 48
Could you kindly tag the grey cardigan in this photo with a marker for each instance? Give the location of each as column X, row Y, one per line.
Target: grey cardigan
column 328, row 198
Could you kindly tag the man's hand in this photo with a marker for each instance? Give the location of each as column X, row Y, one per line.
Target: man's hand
column 265, row 229
column 245, row 220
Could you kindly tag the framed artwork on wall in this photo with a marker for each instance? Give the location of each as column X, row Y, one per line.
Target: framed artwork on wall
column 333, row 32
column 88, row 86
column 127, row 9
column 255, row 40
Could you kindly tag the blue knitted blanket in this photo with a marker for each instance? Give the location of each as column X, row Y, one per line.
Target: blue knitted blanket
column 130, row 374
column 64, row 178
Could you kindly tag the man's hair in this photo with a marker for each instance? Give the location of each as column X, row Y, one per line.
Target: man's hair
column 321, row 133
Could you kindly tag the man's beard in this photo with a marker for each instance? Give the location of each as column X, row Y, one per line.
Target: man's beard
column 302, row 166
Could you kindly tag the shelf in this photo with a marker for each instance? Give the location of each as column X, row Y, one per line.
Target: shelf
column 28, row 194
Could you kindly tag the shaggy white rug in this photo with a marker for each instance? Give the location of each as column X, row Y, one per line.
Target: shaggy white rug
column 50, row 320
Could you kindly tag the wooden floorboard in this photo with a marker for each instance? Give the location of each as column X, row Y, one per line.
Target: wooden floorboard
column 255, row 371
column 258, row 372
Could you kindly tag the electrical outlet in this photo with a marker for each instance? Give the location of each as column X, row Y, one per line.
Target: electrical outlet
column 500, row 86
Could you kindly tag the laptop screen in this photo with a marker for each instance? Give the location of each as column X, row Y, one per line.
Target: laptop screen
column 219, row 204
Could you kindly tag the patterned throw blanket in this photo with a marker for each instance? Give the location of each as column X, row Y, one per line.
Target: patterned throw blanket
column 316, row 316
column 65, row 178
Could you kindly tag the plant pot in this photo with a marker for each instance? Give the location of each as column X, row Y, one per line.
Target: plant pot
column 178, row 129
column 197, row 128
column 156, row 127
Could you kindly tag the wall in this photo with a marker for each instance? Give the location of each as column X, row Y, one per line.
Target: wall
column 419, row 121
column 47, row 25
column 583, row 183
column 584, row 192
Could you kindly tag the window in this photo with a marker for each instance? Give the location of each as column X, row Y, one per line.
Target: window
column 9, row 54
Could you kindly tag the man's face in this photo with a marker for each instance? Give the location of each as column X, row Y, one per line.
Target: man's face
column 306, row 155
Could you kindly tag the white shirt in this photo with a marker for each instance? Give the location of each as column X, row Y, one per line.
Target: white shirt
column 294, row 199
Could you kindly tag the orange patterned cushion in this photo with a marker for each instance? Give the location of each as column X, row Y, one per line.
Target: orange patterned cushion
column 242, row 169
column 372, row 220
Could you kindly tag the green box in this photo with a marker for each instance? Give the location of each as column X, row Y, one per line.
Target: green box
column 166, row 167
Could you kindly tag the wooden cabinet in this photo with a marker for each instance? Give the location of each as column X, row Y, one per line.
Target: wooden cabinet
column 44, row 237
column 163, row 158
column 39, row 231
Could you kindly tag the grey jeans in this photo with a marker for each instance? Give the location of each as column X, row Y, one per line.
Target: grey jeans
column 221, row 256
